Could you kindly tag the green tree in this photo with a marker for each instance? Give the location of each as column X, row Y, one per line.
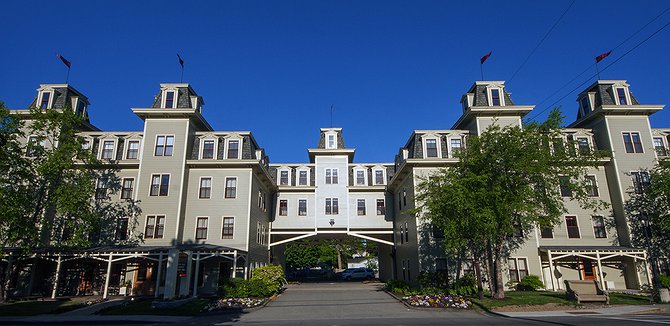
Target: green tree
column 648, row 213
column 505, row 184
column 48, row 190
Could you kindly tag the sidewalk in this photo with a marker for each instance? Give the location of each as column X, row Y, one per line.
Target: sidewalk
column 97, row 318
column 614, row 310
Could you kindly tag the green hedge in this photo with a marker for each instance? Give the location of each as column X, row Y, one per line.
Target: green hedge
column 265, row 282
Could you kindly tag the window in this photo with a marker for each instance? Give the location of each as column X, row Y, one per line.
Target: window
column 660, row 147
column 44, row 104
column 406, row 232
column 205, row 188
column 621, row 95
column 360, row 178
column 228, row 228
column 518, row 269
column 573, row 227
column 586, row 108
column 208, row 149
column 640, row 181
column 564, row 184
column 231, row 188
column 302, row 207
column 379, row 177
column 164, row 145
column 546, row 233
column 81, row 106
column 121, row 232
column 431, row 147
column 86, row 144
column 632, row 142
column 402, row 234
column 169, row 99
column 133, row 150
column 32, row 144
column 331, row 176
column 455, row 146
column 107, row 150
column 381, row 207
column 160, row 183
column 283, row 207
column 283, row 178
column 233, row 149
column 360, row 206
column 436, row 232
column 101, row 188
column 592, row 186
column 331, row 142
column 154, row 227
column 599, row 227
column 127, row 188
column 302, row 178
column 201, row 228
column 583, row 145
column 331, row 206
column 495, row 97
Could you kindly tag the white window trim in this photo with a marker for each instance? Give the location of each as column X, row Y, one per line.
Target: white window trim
column 279, row 206
column 450, row 152
column 438, row 143
column 132, row 195
column 151, row 176
column 384, row 201
column 51, row 99
column 632, row 142
column 306, row 207
column 288, row 170
column 336, row 172
column 126, row 146
column 539, row 233
column 365, row 176
column 579, row 227
column 516, row 261
column 593, row 227
column 223, row 218
column 325, row 205
column 211, row 186
column 501, row 93
column 595, row 177
column 225, row 187
column 146, row 222
column 328, row 134
column 174, row 100
column 616, row 94
column 102, row 147
column 174, row 139
column 87, row 140
column 202, row 148
column 374, row 176
column 239, row 148
column 195, row 231
column 298, row 177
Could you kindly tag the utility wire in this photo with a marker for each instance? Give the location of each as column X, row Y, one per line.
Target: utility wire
column 541, row 41
column 601, row 70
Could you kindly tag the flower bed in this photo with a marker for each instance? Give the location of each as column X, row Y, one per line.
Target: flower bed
column 437, row 301
column 234, row 303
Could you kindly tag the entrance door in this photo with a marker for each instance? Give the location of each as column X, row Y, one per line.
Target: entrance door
column 588, row 272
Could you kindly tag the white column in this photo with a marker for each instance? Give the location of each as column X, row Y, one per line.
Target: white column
column 551, row 271
column 109, row 272
column 600, row 272
column 55, row 288
column 197, row 272
column 185, row 283
column 159, row 273
column 646, row 269
column 171, row 273
column 234, row 272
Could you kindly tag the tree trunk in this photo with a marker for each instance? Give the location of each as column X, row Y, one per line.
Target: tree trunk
column 7, row 275
column 339, row 260
column 478, row 273
column 489, row 268
column 500, row 287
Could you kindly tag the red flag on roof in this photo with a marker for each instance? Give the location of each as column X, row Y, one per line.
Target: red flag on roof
column 181, row 61
column 481, row 61
column 602, row 56
column 67, row 63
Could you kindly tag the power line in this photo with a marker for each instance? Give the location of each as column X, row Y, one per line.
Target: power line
column 606, row 67
column 541, row 41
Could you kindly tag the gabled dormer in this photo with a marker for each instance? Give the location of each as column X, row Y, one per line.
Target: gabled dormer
column 486, row 101
column 177, row 96
column 59, row 97
column 609, row 97
column 331, row 142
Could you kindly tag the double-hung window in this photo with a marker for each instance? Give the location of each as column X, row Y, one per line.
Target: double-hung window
column 640, row 181
column 621, row 96
column 495, row 97
column 127, row 188
column 283, row 178
column 101, row 188
column 169, row 99
column 331, row 142
column 107, row 150
column 164, row 145
column 205, row 188
column 154, row 227
column 546, row 233
column 599, row 229
column 302, row 178
column 133, row 150
column 431, row 147
column 572, row 226
column 332, row 206
column 455, row 146
column 592, row 186
column 360, row 206
column 228, row 228
column 283, row 207
column 231, row 188
column 201, row 228
column 360, row 178
column 44, row 104
column 518, row 269
column 331, row 176
column 564, row 185
column 381, row 207
column 121, row 232
column 233, row 149
column 302, row 207
column 379, row 177
column 632, row 142
column 207, row 149
column 583, row 145
column 160, row 183
column 660, row 147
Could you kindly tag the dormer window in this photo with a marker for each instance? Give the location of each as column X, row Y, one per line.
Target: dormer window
column 585, row 105
column 331, row 141
column 81, row 107
column 621, row 96
column 283, row 178
column 233, row 149
column 495, row 97
column 208, row 149
column 44, row 102
column 431, row 147
column 169, row 99
column 465, row 103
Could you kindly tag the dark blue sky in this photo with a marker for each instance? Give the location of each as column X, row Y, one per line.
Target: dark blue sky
column 275, row 67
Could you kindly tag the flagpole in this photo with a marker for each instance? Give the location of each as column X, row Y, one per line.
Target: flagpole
column 181, row 79
column 67, row 77
column 597, row 71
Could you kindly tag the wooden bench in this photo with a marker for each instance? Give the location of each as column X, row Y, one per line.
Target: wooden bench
column 586, row 291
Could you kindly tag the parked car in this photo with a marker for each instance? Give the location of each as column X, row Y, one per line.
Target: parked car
column 359, row 273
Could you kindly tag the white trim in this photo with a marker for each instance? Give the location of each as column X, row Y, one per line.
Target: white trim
column 202, row 148
column 384, row 201
column 334, row 172
column 160, row 175
column 102, row 147
column 302, row 169
column 438, row 145
column 365, row 176
column 165, row 144
column 365, row 207
column 615, row 89
column 279, row 207
column 306, row 207
column 133, row 191
column 174, row 99
column 593, row 227
column 239, row 148
column 288, row 172
column 579, row 228
column 51, row 99
column 595, row 178
column 223, row 219
column 516, row 262
column 195, row 230
column 639, row 135
column 374, row 176
column 501, row 94
column 126, row 147
column 450, row 151
column 225, row 187
column 327, row 136
column 211, row 186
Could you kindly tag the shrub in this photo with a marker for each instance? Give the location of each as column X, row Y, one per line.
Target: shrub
column 398, row 286
column 266, row 281
column 665, row 280
column 272, row 276
column 465, row 286
column 436, row 280
column 530, row 283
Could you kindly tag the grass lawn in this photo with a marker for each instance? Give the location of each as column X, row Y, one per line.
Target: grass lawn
column 514, row 298
column 190, row 308
column 620, row 298
column 32, row 308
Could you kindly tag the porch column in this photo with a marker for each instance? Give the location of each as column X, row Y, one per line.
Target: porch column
column 197, row 273
column 234, row 272
column 171, row 273
column 551, row 270
column 55, row 286
column 600, row 271
column 646, row 269
column 159, row 273
column 185, row 282
column 109, row 272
